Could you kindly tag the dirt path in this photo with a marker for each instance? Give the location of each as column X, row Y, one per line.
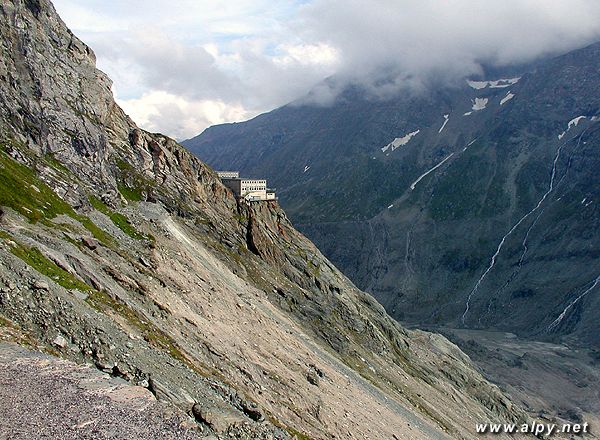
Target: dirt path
column 43, row 397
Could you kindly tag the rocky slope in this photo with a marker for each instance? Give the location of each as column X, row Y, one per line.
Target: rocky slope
column 38, row 393
column 120, row 249
column 472, row 205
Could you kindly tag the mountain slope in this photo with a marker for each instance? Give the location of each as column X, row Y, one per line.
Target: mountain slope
column 120, row 249
column 473, row 205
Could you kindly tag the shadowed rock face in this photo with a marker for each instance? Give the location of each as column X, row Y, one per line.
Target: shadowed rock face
column 120, row 248
column 416, row 197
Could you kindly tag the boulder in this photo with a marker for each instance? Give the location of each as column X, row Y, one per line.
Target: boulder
column 218, row 418
column 89, row 243
column 41, row 285
column 60, row 341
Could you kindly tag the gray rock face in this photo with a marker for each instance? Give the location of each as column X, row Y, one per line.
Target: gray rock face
column 418, row 222
column 154, row 273
column 49, row 107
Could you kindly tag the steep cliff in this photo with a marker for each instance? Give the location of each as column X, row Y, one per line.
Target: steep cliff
column 120, row 248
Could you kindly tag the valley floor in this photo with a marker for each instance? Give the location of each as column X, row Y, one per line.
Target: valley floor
column 553, row 382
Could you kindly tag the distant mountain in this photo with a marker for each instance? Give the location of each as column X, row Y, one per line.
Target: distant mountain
column 121, row 250
column 474, row 206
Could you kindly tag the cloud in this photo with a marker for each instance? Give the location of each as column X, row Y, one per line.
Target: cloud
column 306, row 54
column 252, row 73
column 156, row 110
column 225, row 60
column 409, row 42
column 238, row 54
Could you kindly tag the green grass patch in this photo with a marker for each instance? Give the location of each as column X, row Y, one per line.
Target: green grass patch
column 35, row 259
column 297, row 434
column 57, row 165
column 132, row 185
column 23, row 191
column 99, row 234
column 462, row 187
column 123, row 166
column 118, row 219
column 497, row 200
column 130, row 194
column 314, row 269
column 292, row 431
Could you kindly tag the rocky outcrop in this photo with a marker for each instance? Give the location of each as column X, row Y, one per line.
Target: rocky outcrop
column 121, row 249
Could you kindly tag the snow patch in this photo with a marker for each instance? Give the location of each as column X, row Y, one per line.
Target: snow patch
column 572, row 123
column 505, row 82
column 507, row 98
column 469, row 144
column 477, row 85
column 468, row 114
column 595, row 118
column 398, row 142
column 583, row 201
column 391, row 206
column 306, row 168
column 479, row 104
column 446, row 118
column 412, row 186
column 495, row 84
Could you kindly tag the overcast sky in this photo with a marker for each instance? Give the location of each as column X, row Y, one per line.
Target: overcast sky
column 179, row 66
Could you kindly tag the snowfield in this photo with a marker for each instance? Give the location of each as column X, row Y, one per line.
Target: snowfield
column 480, row 104
column 495, row 84
column 446, row 118
column 507, row 98
column 398, row 142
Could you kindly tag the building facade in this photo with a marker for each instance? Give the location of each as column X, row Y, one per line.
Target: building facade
column 252, row 190
column 229, row 174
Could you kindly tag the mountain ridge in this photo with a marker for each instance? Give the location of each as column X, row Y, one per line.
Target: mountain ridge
column 122, row 250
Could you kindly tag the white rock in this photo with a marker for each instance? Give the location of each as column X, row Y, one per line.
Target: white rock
column 60, row 341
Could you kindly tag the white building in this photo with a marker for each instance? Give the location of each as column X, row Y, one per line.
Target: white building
column 253, row 190
column 229, row 174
